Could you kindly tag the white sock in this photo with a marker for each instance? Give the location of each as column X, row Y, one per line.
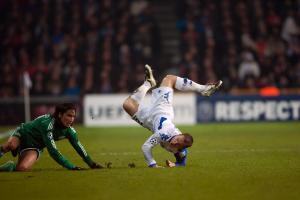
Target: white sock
column 140, row 93
column 184, row 84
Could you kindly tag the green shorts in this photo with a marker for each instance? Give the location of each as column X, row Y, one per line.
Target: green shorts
column 26, row 143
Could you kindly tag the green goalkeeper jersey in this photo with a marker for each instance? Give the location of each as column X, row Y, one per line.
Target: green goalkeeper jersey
column 43, row 132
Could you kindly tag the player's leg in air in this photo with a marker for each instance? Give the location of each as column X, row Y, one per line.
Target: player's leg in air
column 131, row 104
column 184, row 84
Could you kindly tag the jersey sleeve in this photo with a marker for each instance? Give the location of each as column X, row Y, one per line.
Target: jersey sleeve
column 181, row 157
column 53, row 151
column 73, row 138
column 151, row 142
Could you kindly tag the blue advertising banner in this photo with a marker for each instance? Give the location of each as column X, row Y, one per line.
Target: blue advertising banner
column 248, row 108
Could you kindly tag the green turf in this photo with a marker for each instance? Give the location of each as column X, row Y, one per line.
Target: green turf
column 227, row 161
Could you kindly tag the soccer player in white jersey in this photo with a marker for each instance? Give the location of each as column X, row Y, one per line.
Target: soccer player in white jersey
column 158, row 117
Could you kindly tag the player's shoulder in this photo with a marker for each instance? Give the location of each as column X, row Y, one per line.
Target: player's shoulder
column 71, row 130
column 44, row 121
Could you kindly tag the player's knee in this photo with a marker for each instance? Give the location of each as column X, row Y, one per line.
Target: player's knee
column 144, row 147
column 130, row 106
column 22, row 168
column 126, row 104
column 169, row 80
column 170, row 77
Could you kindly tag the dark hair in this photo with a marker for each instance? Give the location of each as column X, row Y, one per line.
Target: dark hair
column 188, row 140
column 62, row 108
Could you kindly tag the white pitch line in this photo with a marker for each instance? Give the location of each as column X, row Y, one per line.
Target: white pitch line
column 246, row 150
column 210, row 151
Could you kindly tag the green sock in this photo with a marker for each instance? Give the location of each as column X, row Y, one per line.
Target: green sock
column 9, row 166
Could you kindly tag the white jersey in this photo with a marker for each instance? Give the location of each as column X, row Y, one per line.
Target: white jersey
column 158, row 118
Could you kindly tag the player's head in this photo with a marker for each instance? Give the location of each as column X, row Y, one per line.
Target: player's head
column 65, row 114
column 182, row 141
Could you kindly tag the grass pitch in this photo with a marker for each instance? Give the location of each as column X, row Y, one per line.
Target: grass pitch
column 227, row 161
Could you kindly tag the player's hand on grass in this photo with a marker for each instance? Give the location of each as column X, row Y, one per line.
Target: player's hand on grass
column 95, row 165
column 156, row 166
column 170, row 163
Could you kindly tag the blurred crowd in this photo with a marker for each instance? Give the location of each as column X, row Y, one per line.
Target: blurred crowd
column 75, row 47
column 246, row 43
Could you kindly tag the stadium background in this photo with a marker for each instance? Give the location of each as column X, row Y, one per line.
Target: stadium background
column 74, row 48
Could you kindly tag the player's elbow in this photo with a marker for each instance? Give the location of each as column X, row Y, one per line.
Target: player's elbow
column 169, row 81
column 170, row 77
column 145, row 148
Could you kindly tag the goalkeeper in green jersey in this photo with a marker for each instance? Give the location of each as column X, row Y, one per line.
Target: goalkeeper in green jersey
column 31, row 138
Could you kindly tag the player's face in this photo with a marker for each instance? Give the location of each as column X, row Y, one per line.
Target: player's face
column 68, row 118
column 178, row 141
